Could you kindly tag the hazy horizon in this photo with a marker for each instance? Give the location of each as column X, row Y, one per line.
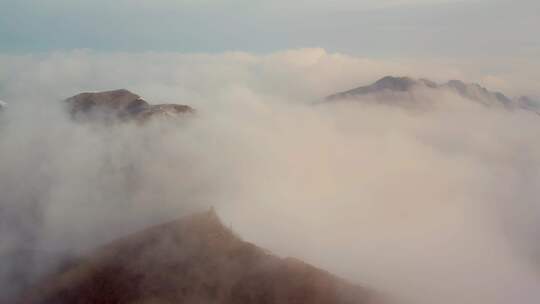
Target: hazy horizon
column 488, row 42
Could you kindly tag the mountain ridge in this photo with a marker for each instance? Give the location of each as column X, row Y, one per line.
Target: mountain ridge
column 195, row 259
column 404, row 84
column 120, row 104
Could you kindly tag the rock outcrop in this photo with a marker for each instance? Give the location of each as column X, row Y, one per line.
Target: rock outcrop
column 120, row 105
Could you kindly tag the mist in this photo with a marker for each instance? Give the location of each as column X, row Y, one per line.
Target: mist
column 433, row 203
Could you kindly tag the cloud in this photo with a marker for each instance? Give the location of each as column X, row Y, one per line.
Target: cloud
column 433, row 204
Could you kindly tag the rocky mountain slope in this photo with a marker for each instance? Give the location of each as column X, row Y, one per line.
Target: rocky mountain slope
column 391, row 89
column 192, row 260
column 120, row 104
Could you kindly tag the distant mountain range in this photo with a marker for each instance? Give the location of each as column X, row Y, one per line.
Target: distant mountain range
column 124, row 105
column 389, row 88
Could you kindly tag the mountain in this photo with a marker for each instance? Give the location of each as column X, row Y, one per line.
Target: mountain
column 390, row 89
column 120, row 105
column 388, row 83
column 195, row 259
column 528, row 103
column 476, row 92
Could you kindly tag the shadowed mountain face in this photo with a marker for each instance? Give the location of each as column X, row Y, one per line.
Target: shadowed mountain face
column 120, row 104
column 3, row 106
column 476, row 92
column 390, row 89
column 193, row 260
column 389, row 83
column 526, row 102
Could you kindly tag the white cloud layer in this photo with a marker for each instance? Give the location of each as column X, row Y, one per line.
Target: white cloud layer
column 435, row 205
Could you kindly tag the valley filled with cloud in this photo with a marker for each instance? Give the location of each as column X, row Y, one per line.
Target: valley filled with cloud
column 433, row 200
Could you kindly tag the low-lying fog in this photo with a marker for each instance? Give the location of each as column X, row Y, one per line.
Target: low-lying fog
column 434, row 204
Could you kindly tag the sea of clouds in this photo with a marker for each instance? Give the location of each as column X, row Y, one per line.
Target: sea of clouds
column 433, row 204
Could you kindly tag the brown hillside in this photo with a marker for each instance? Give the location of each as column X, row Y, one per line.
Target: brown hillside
column 192, row 260
column 119, row 104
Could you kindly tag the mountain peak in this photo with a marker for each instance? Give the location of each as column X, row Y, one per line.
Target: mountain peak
column 394, row 83
column 387, row 83
column 119, row 104
column 192, row 260
column 470, row 91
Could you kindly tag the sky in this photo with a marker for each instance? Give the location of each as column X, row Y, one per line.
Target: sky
column 450, row 28
column 496, row 39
